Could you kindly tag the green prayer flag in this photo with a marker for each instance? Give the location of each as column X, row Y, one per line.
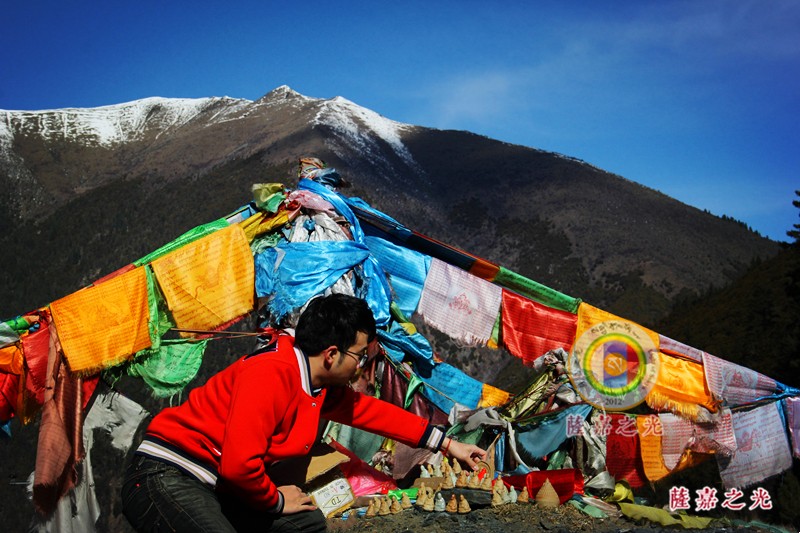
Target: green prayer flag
column 170, row 368
column 536, row 291
column 414, row 383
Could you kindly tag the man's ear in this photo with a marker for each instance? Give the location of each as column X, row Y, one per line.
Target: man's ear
column 329, row 354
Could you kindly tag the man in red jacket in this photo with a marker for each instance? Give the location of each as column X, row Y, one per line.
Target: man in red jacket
column 202, row 466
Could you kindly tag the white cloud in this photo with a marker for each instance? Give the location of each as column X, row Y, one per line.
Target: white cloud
column 480, row 97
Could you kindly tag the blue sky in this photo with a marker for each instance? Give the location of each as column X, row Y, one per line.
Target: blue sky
column 697, row 99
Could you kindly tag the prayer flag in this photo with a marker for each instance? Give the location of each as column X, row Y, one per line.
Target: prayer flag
column 733, row 384
column 544, row 434
column 675, row 348
column 103, row 325
column 459, row 304
column 793, row 421
column 532, row 329
column 36, row 346
column 650, row 434
column 208, row 282
column 681, row 388
column 762, row 449
column 406, row 268
column 11, row 359
column 493, row 397
column 623, row 459
column 680, row 435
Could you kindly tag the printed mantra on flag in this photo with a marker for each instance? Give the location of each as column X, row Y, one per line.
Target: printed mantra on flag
column 613, row 365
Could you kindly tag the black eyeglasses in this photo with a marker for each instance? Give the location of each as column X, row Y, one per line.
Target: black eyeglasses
column 361, row 357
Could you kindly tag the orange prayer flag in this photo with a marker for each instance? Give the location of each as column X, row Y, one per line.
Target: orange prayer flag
column 103, row 325
column 681, row 388
column 590, row 316
column 11, row 359
column 650, row 432
column 614, row 362
column 210, row 281
column 492, row 396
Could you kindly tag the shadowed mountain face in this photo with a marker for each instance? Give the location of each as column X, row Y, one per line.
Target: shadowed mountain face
column 86, row 191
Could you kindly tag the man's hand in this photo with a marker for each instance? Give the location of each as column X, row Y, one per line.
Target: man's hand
column 295, row 500
column 468, row 453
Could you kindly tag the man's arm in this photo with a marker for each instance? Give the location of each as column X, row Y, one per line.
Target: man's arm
column 388, row 420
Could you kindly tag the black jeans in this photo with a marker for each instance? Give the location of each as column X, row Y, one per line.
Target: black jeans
column 159, row 497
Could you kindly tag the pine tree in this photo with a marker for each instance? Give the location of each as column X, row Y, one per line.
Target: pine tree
column 795, row 233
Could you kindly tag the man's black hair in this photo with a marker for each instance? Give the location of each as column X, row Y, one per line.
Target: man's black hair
column 333, row 321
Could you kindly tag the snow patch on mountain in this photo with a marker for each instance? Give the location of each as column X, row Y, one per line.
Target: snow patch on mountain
column 350, row 121
column 111, row 124
column 284, row 95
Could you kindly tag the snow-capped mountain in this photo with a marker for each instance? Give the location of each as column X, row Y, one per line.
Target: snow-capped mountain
column 83, row 191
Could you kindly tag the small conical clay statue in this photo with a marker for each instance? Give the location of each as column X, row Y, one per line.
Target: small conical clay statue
column 423, row 473
column 502, row 490
column 496, row 488
column 438, row 503
column 429, row 503
column 437, row 471
column 452, row 505
column 547, row 495
column 486, row 484
column 384, row 510
column 523, row 496
column 449, row 482
column 472, row 481
column 430, row 471
column 461, row 482
column 463, row 505
column 422, row 495
column 405, row 501
column 497, row 499
column 395, row 507
column 456, row 467
column 370, row 509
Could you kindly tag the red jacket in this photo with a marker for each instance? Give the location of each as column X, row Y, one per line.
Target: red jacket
column 261, row 409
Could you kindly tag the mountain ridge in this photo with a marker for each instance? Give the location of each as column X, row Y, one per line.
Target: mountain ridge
column 182, row 162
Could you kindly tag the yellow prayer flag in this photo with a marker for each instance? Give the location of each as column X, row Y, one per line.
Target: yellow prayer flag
column 590, row 316
column 261, row 223
column 681, row 388
column 102, row 325
column 492, row 397
column 11, row 359
column 613, row 363
column 650, row 444
column 210, row 281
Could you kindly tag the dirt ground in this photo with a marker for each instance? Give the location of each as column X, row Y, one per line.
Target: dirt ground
column 528, row 518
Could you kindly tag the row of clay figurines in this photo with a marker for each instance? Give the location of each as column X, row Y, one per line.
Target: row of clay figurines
column 425, row 500
column 456, row 477
column 430, row 499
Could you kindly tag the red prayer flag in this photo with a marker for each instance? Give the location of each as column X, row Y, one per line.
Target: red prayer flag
column 623, row 458
column 531, row 329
